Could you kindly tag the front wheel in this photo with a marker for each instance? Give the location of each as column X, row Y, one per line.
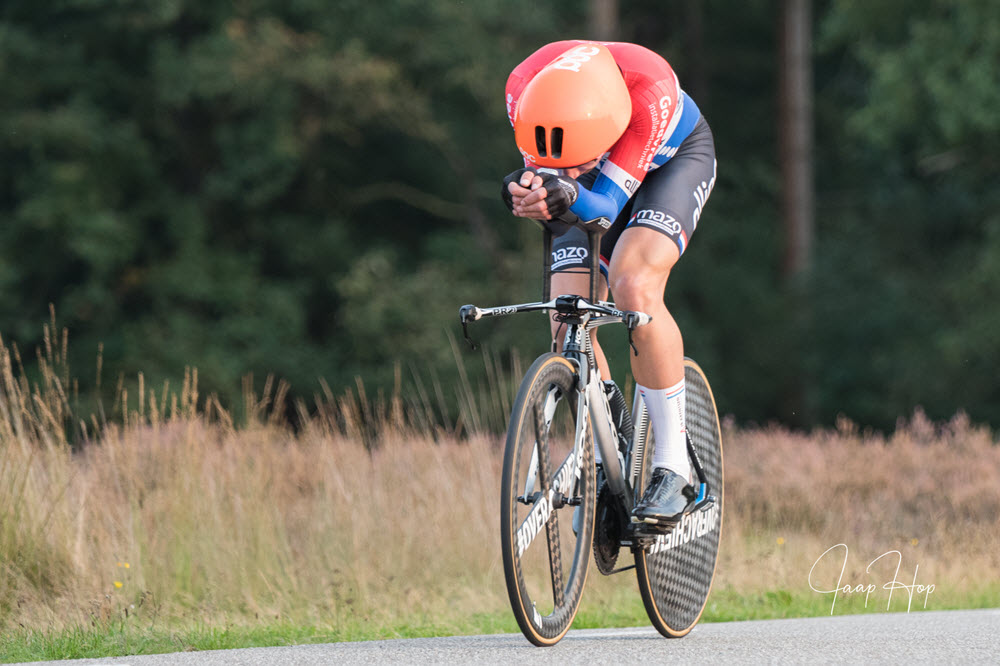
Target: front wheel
column 548, row 476
column 675, row 572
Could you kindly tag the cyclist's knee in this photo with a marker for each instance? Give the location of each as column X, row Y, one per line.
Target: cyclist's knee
column 637, row 290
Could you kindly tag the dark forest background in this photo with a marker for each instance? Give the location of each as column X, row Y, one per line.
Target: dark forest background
column 309, row 189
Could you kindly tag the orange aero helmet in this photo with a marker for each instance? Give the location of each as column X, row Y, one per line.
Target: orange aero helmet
column 574, row 109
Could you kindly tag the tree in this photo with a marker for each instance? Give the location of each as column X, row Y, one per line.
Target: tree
column 795, row 130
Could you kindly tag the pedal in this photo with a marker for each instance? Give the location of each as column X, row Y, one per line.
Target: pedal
column 705, row 504
column 652, row 527
column 653, row 521
column 644, row 535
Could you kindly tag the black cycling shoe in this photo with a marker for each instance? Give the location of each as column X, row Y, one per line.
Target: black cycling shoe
column 667, row 498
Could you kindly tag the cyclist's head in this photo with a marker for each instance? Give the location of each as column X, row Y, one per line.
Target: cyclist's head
column 573, row 110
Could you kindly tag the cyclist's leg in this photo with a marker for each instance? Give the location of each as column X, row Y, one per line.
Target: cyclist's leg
column 640, row 268
column 666, row 212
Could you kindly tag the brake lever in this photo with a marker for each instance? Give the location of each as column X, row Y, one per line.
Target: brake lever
column 465, row 332
column 634, row 320
column 465, row 313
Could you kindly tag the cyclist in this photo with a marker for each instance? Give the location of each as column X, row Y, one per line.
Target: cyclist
column 610, row 141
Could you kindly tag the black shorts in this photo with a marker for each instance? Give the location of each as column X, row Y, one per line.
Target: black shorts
column 670, row 200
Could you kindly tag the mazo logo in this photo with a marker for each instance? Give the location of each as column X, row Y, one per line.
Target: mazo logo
column 655, row 218
column 569, row 255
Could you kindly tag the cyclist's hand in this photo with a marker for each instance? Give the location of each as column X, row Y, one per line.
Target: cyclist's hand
column 550, row 197
column 517, row 185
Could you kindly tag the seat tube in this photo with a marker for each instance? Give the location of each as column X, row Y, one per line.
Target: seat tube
column 595, row 263
column 546, row 265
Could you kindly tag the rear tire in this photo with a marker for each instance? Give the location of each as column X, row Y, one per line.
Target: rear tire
column 675, row 573
column 536, row 525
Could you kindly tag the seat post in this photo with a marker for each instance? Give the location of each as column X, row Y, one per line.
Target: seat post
column 595, row 263
column 546, row 264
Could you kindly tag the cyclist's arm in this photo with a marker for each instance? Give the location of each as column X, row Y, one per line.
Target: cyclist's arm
column 641, row 147
column 605, row 200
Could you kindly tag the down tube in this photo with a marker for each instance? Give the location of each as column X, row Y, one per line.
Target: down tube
column 604, row 439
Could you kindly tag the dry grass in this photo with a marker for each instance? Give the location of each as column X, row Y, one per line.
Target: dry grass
column 192, row 519
column 931, row 492
column 174, row 514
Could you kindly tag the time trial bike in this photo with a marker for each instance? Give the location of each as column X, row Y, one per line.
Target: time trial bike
column 557, row 506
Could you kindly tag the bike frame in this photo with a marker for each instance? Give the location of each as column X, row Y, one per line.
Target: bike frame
column 582, row 315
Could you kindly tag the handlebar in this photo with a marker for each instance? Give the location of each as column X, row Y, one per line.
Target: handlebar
column 570, row 306
column 567, row 305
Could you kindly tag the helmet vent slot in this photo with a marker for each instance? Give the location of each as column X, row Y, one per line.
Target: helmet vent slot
column 557, row 139
column 540, row 140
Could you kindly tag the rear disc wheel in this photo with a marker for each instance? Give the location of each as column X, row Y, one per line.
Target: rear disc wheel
column 676, row 571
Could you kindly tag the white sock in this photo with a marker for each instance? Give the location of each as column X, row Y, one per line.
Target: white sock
column 666, row 415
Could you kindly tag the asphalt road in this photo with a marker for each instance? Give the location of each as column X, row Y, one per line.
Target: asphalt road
column 917, row 637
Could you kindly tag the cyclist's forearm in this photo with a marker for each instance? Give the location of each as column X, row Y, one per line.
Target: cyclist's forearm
column 592, row 205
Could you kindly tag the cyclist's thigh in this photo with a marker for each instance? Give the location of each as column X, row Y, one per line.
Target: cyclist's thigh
column 671, row 198
column 643, row 258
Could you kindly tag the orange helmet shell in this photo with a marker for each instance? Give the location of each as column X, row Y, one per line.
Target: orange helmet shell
column 574, row 109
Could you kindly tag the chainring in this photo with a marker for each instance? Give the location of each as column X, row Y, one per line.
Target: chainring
column 608, row 532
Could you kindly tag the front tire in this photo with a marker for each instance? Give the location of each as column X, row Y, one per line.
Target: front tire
column 541, row 471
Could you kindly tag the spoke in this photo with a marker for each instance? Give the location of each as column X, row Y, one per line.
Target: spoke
column 552, row 525
column 555, row 560
column 550, row 404
column 529, row 483
column 541, row 451
column 550, row 407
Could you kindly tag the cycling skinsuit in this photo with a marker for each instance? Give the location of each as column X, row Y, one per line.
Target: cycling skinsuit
column 657, row 175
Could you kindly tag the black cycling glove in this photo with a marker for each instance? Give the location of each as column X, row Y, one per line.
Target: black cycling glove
column 512, row 177
column 560, row 193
